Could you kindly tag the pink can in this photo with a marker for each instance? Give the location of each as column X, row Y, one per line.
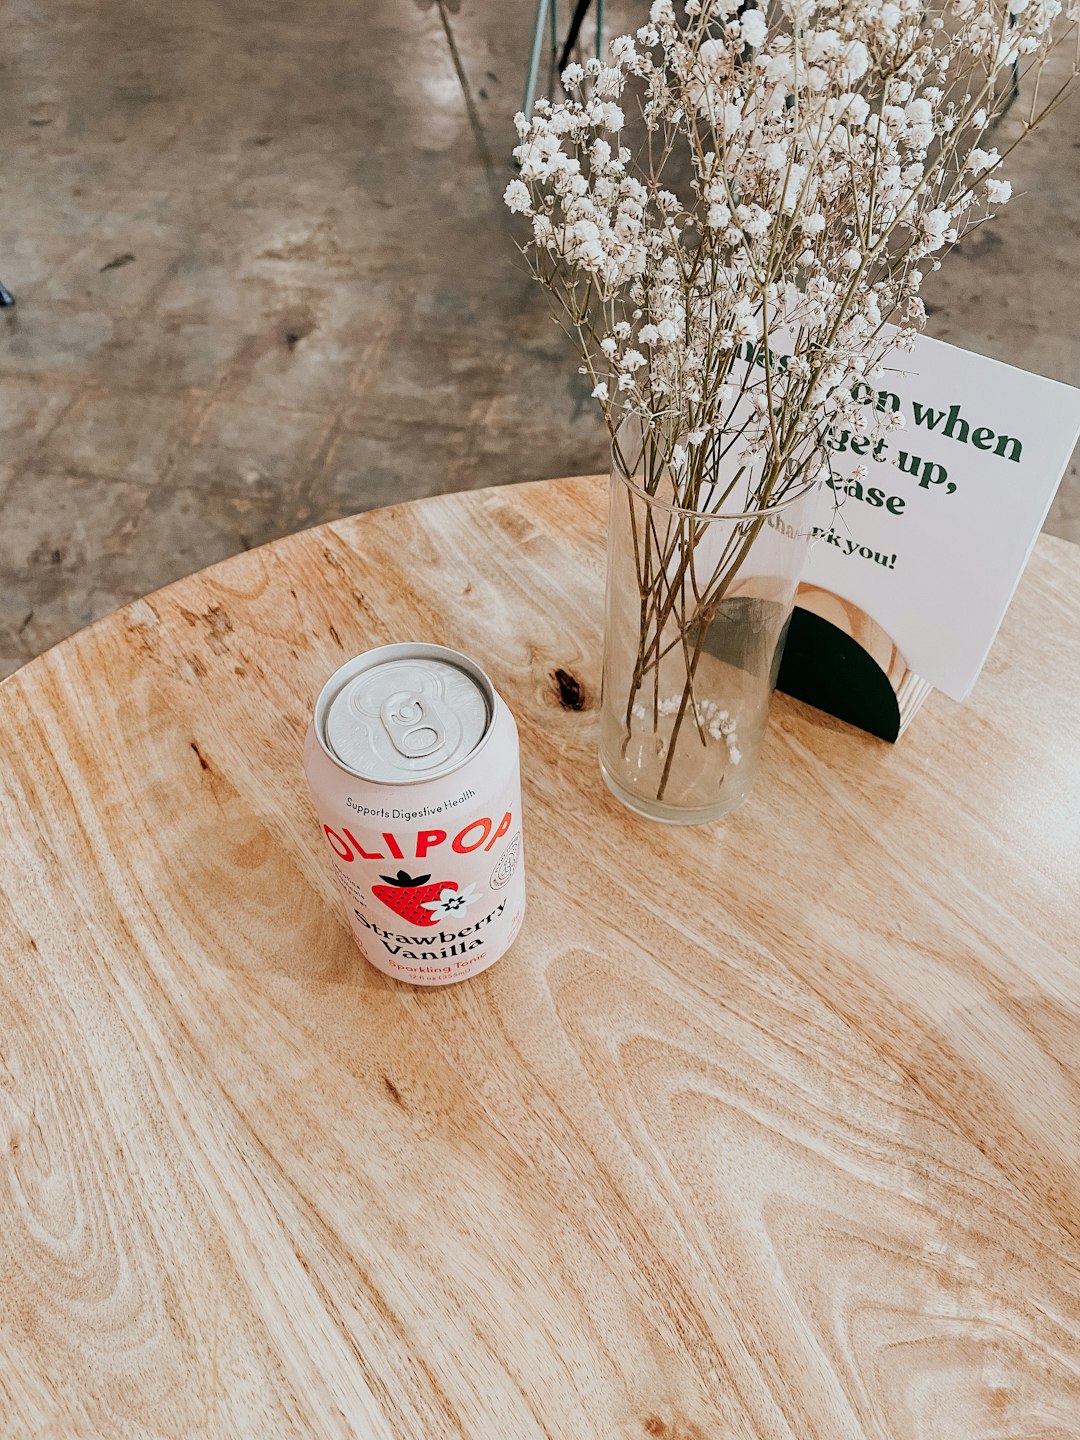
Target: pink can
column 412, row 760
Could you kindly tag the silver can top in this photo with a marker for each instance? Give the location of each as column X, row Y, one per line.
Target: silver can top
column 404, row 713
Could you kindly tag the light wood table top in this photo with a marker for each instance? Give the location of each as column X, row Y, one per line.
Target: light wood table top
column 766, row 1129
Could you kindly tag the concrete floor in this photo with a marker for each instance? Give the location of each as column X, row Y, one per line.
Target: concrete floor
column 264, row 278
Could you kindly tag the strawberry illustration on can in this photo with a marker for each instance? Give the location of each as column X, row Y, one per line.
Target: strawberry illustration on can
column 412, row 760
column 412, row 897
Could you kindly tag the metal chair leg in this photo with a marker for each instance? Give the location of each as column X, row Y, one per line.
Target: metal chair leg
column 581, row 9
column 544, row 8
column 547, row 12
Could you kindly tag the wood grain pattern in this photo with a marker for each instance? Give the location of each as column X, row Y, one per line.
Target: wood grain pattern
column 767, row 1129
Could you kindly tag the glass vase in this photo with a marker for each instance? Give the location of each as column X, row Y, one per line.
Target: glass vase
column 698, row 603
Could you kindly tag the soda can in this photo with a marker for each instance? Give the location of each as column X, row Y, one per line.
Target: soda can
column 412, row 760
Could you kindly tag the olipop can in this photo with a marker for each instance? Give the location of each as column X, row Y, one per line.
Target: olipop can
column 412, row 760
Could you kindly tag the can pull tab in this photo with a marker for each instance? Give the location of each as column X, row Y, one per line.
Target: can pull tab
column 412, row 724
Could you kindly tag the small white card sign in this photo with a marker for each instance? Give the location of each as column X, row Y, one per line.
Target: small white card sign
column 931, row 544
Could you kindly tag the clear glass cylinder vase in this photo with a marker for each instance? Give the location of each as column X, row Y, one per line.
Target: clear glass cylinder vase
column 698, row 604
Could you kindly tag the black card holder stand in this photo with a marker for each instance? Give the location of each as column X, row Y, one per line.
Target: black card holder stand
column 840, row 661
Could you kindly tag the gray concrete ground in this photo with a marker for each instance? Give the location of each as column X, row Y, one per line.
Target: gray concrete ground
column 264, row 278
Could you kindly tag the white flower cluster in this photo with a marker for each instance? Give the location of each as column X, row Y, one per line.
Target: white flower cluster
column 718, row 724
column 802, row 167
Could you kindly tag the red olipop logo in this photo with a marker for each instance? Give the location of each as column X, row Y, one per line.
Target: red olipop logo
column 477, row 834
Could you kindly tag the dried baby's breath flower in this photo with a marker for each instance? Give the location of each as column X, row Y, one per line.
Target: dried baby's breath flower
column 834, row 149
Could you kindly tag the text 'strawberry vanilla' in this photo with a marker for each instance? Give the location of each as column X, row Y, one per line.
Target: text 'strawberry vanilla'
column 412, row 761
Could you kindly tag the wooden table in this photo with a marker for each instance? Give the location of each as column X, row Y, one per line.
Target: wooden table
column 767, row 1129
